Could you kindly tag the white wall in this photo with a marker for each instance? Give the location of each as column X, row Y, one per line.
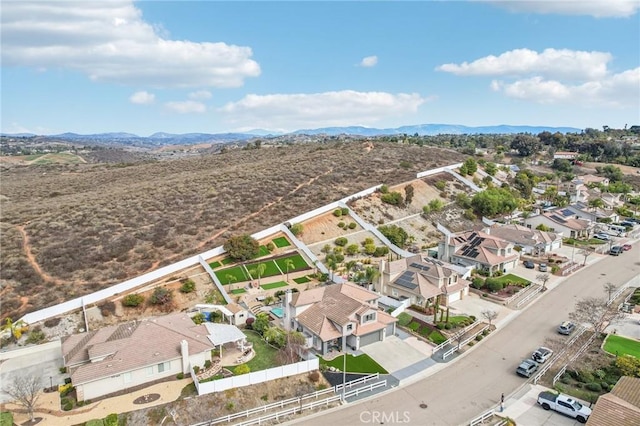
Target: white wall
column 438, row 170
column 257, row 376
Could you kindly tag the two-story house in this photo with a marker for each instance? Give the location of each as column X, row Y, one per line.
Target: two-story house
column 337, row 316
column 530, row 241
column 423, row 280
column 479, row 250
column 564, row 222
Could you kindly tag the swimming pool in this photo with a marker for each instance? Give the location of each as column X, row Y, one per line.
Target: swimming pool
column 277, row 312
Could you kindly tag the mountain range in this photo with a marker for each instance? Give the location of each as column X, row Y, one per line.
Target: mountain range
column 163, row 138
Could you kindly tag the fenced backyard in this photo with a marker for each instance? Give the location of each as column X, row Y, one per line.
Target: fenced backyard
column 272, row 268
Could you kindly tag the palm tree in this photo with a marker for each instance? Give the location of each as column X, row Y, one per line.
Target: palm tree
column 260, row 269
column 230, row 278
column 371, row 274
column 349, row 265
column 333, row 265
column 290, row 265
column 271, row 334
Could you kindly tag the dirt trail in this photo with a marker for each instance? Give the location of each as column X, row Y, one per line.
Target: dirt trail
column 31, row 258
column 263, row 208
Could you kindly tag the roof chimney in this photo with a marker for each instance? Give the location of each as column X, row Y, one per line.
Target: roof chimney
column 184, row 350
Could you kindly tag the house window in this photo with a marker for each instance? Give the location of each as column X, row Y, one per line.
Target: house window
column 370, row 317
column 164, row 366
column 394, row 293
column 349, row 327
column 126, row 377
column 150, row 371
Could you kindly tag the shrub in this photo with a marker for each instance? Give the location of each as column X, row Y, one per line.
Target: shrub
column 337, row 212
column 36, row 336
column 271, row 247
column 477, row 283
column 188, row 286
column 341, row 242
column 381, row 251
column 314, row 376
column 132, row 300
column 180, row 376
column 341, row 225
column 472, row 318
column 440, row 326
column 207, row 364
column 107, row 309
column 479, row 337
column 52, row 322
column 161, row 296
column 352, row 225
column 414, row 326
column 297, row 229
column 440, row 185
column 404, row 319
column 111, row 420
column 394, row 198
column 585, row 376
column 493, row 284
column 448, row 326
column 249, row 322
column 68, row 406
column 471, row 343
column 198, row 318
column 241, row 369
column 196, row 369
column 594, row 387
column 230, row 406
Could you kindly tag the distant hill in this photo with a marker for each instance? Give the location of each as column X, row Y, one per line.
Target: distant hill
column 163, row 138
column 437, row 129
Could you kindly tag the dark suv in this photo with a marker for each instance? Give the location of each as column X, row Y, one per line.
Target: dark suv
column 616, row 250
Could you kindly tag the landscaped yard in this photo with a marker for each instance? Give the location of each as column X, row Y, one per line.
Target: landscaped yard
column 355, row 364
column 263, row 251
column 274, row 285
column 217, row 264
column 618, row 345
column 265, row 354
column 270, row 269
column 301, row 280
column 237, row 272
column 281, row 242
column 238, row 291
column 512, row 279
column 297, row 259
column 457, row 320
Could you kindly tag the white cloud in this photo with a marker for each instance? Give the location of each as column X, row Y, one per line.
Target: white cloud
column 596, row 8
column 618, row 90
column 553, row 63
column 369, row 61
column 142, row 98
column 110, row 41
column 186, row 107
column 296, row 111
column 200, row 95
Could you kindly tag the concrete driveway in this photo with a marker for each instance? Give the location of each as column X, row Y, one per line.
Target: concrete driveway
column 629, row 326
column 394, row 354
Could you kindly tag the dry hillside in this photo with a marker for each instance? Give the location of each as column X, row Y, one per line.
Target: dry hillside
column 71, row 229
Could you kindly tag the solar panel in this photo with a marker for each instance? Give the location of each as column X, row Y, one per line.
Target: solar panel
column 558, row 218
column 406, row 280
column 419, row 266
column 474, row 253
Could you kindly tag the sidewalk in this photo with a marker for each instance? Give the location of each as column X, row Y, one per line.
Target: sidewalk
column 523, row 408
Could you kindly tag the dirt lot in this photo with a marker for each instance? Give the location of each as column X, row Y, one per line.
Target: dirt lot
column 325, row 227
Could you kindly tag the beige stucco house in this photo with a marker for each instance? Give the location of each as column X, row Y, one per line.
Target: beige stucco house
column 479, row 250
column 119, row 357
column 337, row 316
column 423, row 280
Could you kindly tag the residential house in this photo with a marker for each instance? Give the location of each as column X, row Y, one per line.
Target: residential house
column 337, row 316
column 480, row 250
column 530, row 241
column 423, row 280
column 123, row 356
column 593, row 179
column 563, row 222
column 565, row 155
column 621, row 406
column 584, row 211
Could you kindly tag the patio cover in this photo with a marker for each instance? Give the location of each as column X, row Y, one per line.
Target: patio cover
column 219, row 334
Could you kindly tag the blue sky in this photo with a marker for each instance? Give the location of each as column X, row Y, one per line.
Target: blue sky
column 210, row 66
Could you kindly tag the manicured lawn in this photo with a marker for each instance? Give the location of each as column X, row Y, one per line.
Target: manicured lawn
column 270, row 270
column 263, row 251
column 511, row 279
column 265, row 354
column 301, row 280
column 456, row 320
column 297, row 259
column 238, row 291
column 226, row 261
column 355, row 364
column 618, row 345
column 274, row 285
column 214, row 265
column 236, row 271
column 574, row 242
column 281, row 242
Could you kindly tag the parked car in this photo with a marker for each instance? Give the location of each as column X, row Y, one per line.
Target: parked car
column 601, row 236
column 541, row 354
column 565, row 405
column 529, row 264
column 527, row 368
column 616, row 250
column 566, row 328
column 626, row 247
column 628, row 223
column 542, row 267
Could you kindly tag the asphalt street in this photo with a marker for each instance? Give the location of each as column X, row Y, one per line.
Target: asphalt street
column 473, row 383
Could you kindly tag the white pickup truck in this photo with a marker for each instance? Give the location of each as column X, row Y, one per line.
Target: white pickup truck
column 565, row 405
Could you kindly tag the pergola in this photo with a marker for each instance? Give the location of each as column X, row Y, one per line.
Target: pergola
column 219, row 334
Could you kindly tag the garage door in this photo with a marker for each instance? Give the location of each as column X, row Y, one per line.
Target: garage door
column 370, row 338
column 390, row 328
column 454, row 297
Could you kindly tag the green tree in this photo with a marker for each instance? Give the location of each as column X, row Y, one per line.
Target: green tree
column 132, row 300
column 394, row 198
column 261, row 323
column 526, row 145
column 471, row 166
column 198, row 318
column 288, row 263
column 161, row 296
column 242, row 247
column 408, row 194
column 188, row 286
column 491, row 169
column 352, row 249
column 395, row 234
column 494, row 201
column 258, row 271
